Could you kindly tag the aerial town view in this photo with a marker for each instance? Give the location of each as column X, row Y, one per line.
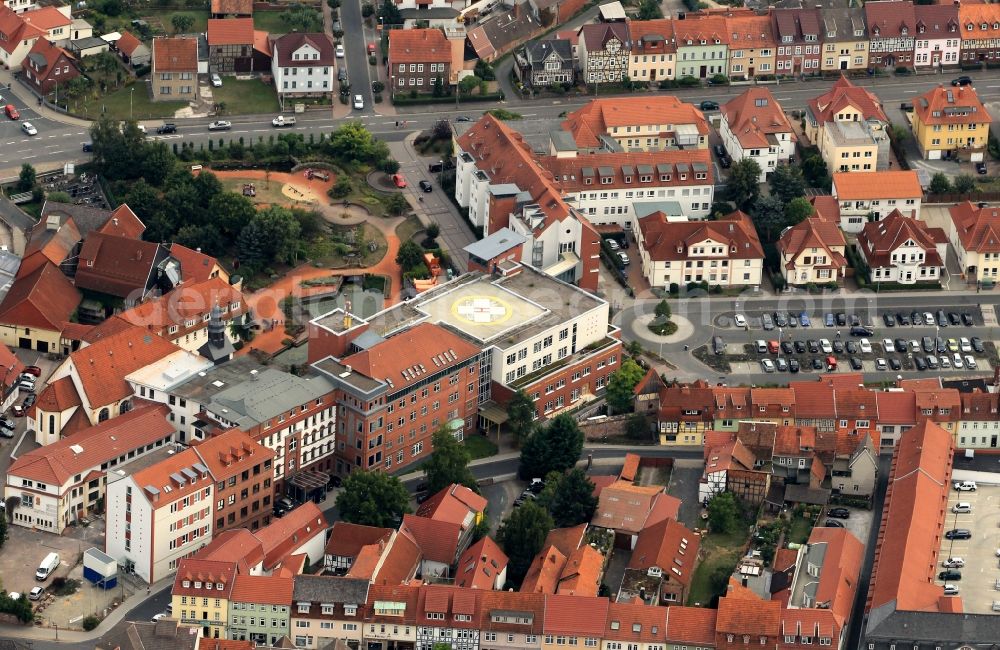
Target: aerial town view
column 499, row 325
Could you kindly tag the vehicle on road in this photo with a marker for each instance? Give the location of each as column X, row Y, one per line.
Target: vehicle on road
column 359, row 102
column 463, row 118
column 157, row 617
column 166, row 128
column 398, row 181
column 29, row 128
column 425, row 186
column 282, row 121
column 709, row 105
column 340, row 50
column 216, row 81
column 371, row 49
column 220, row 125
column 88, row 147
column 11, row 112
column 624, row 258
column 740, row 320
column 964, row 80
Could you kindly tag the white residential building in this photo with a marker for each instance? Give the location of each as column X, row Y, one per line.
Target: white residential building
column 875, row 193
column 755, row 126
column 303, row 64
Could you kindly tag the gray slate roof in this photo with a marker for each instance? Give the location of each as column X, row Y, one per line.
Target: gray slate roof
column 85, row 217
column 927, row 630
column 166, row 634
column 330, row 590
column 499, row 242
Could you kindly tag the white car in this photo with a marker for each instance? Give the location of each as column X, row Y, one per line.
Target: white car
column 952, row 590
column 945, row 362
column 216, row 81
column 220, row 125
column 962, row 507
column 965, row 344
column 956, row 360
column 157, row 617
column 881, row 364
column 826, row 346
column 889, row 346
column 767, row 365
column 624, row 258
column 740, row 320
column 340, row 50
column 954, row 563
column 36, row 593
column 359, row 102
column 29, row 128
column 970, row 362
column 612, row 244
column 866, row 346
column 965, row 486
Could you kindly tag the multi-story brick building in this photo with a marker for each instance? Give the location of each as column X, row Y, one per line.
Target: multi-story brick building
column 797, row 33
column 243, row 471
column 419, row 60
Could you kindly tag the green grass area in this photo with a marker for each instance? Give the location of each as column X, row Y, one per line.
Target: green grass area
column 160, row 19
column 271, row 22
column 721, row 552
column 246, row 97
column 800, row 529
column 480, row 446
column 406, row 230
column 116, row 105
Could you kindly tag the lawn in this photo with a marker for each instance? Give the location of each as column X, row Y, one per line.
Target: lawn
column 160, row 19
column 336, row 250
column 800, row 529
column 271, row 22
column 409, row 228
column 116, row 105
column 721, row 553
column 479, row 446
column 246, row 97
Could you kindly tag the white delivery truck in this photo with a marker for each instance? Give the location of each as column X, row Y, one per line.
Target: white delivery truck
column 47, row 566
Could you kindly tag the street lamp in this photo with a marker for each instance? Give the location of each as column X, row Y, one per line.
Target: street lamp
column 131, row 94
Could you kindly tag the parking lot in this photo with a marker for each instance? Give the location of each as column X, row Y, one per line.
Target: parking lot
column 859, row 523
column 981, row 573
column 946, row 340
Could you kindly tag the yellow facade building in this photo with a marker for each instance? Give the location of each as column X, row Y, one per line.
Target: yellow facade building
column 949, row 122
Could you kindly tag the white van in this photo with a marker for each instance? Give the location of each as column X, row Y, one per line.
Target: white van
column 47, row 566
column 962, row 507
column 965, row 486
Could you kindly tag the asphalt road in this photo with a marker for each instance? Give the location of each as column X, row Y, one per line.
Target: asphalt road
column 57, row 143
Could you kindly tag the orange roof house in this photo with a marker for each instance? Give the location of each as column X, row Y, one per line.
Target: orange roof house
column 38, row 305
column 879, row 192
column 754, row 124
column 628, row 509
column 347, row 540
column 800, row 264
column 482, row 566
column 456, row 504
column 132, row 50
column 232, row 8
column 743, row 613
column 890, row 246
column 623, row 117
column 178, row 54
column 196, row 266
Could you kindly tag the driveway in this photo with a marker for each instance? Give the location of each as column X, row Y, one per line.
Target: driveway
column 684, row 485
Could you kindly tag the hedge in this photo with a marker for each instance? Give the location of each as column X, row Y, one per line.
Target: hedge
column 406, row 100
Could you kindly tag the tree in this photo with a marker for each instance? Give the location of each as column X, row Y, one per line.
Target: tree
column 554, row 447
column 484, row 70
column 768, row 215
column 433, row 230
column 389, row 13
column 621, row 384
column 787, row 183
column 815, row 171
column 569, row 498
column 27, row 178
column 442, row 130
column 521, row 536
column 797, row 210
column 650, row 10
column 410, row 255
column 352, row 142
column 520, row 416
column 272, row 234
column 182, row 23
column 158, row 162
column 964, row 184
column 231, row 212
column 396, row 204
column 468, row 84
column 342, row 188
column 939, row 184
column 373, row 499
column 207, row 238
column 637, row 427
column 663, row 310
column 744, row 183
column 723, row 513
column 449, row 463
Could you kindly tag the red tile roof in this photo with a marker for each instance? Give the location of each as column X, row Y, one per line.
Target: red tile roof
column 813, row 232
column 896, row 407
column 913, row 521
column 455, row 503
column 529, row 606
column 55, row 245
column 950, row 105
column 977, row 20
column 581, row 575
column 670, row 546
column 14, row 30
column 598, row 117
column 438, row 540
column 283, row 537
column 666, row 240
column 238, row 545
column 408, row 357
column 418, row 46
column 704, row 27
column 123, row 223
column 691, row 625
column 879, row 239
column 584, row 616
column 195, row 265
column 103, row 365
column 854, row 186
column 188, row 302
column 230, row 453
column 175, row 54
column 58, row 396
column 230, row 31
column 401, row 561
column 841, row 571
column 262, row 590
column 127, row 43
column 347, row 540
column 888, row 18
column 631, row 466
column 114, row 265
column 286, row 46
column 681, row 167
column 652, row 36
column 59, row 462
column 46, row 18
column 636, row 623
column 543, row 574
column 742, row 612
column 210, row 572
column 755, row 117
column 978, row 229
column 842, row 94
column 627, row 507
column 396, row 593
column 42, row 298
column 480, row 564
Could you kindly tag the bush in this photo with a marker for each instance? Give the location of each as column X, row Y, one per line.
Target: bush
column 903, row 70
column 90, row 622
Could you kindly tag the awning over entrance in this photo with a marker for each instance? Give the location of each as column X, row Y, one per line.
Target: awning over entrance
column 567, row 263
column 493, row 412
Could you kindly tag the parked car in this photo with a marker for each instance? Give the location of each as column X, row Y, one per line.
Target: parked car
column 709, row 105
column 780, row 319
column 833, row 523
column 216, row 81
column 962, row 508
column 782, row 364
column 800, row 347
column 981, row 168
column 970, row 362
column 958, row 533
column 793, row 365
column 920, row 363
column 880, row 364
column 855, row 363
column 953, row 563
column 889, row 319
column 398, row 181
column 967, row 319
column 828, row 320
column 33, row 370
column 359, row 102
column 952, row 590
column 950, row 574
column 624, row 258
column 166, row 128
column 895, row 364
column 340, row 50
column 88, row 147
column 964, row 80
column 740, row 320
column 839, row 513
column 965, row 486
column 36, row 593
column 425, row 186
column 767, row 365
column 804, row 319
column 767, row 322
column 977, row 344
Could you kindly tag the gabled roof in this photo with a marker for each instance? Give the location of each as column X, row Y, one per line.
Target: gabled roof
column 456, row 504
column 330, row 589
column 43, row 55
column 978, row 20
column 237, row 545
column 879, row 239
column 666, row 240
column 86, row 218
column 937, row 21
column 854, row 186
column 755, row 117
column 283, row 536
column 206, row 571
column 127, row 43
column 347, row 539
column 123, row 223
column 576, row 615
column 526, row 606
column 652, row 36
column 230, row 31
column 289, row 44
column 742, row 612
column 842, row 94
column 670, row 546
column 58, row 396
column 116, row 265
column 597, row 35
column 418, row 46
column 750, row 31
column 598, row 117
column 189, row 301
column 841, row 570
column 950, row 105
column 262, row 590
column 701, row 28
column 636, row 622
column 14, row 30
column 231, row 452
column 691, row 625
column 46, row 18
column 43, row 298
column 401, row 561
column 581, row 575
column 913, row 521
column 480, row 564
column 55, row 244
column 630, row 508
column 543, row 574
column 889, row 18
column 978, row 229
column 813, row 232
column 438, row 540
column 57, row 463
column 195, row 265
column 178, row 54
column 103, row 366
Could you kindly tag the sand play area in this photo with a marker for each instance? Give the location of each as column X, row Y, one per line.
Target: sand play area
column 293, row 190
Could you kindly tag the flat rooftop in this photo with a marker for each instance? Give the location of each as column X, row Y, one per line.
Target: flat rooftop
column 487, row 310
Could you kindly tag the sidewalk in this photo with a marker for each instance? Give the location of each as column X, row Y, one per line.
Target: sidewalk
column 29, row 100
column 48, row 634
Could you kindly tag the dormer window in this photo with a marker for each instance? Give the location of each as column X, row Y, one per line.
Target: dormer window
column 921, row 29
column 996, row 25
column 588, row 181
column 877, row 31
column 983, row 26
column 628, row 179
column 904, row 31
column 703, row 42
column 665, row 178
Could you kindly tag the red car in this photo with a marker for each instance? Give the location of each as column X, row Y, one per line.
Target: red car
column 371, row 49
column 17, row 411
column 399, row 180
column 33, row 370
column 11, row 112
